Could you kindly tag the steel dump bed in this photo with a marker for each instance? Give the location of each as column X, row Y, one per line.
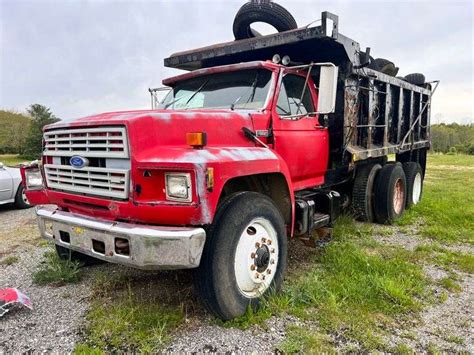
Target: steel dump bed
column 376, row 114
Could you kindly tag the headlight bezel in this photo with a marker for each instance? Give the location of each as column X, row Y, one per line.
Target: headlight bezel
column 31, row 174
column 186, row 178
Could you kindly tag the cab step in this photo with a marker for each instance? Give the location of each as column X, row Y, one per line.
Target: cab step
column 321, row 220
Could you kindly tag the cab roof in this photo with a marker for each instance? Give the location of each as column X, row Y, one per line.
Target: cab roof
column 223, row 69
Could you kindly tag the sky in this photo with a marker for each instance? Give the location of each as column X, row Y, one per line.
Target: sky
column 86, row 57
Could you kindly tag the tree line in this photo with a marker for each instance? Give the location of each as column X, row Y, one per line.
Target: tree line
column 453, row 138
column 23, row 133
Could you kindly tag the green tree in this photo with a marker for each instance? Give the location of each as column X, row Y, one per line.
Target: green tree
column 14, row 128
column 40, row 117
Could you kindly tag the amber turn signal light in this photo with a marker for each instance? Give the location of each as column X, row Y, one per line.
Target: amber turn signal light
column 196, row 139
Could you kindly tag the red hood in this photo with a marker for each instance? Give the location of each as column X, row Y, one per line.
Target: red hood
column 152, row 128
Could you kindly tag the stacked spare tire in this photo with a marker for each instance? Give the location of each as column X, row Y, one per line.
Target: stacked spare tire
column 262, row 11
column 281, row 19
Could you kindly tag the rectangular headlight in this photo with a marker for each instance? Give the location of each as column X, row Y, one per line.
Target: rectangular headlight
column 34, row 179
column 178, row 187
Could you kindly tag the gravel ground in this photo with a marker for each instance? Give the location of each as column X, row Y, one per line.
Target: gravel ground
column 57, row 311
column 447, row 326
column 58, row 315
column 199, row 338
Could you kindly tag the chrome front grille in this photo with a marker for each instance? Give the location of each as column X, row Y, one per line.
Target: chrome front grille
column 107, row 173
column 102, row 182
column 100, row 142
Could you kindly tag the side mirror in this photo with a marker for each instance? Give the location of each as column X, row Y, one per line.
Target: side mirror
column 158, row 95
column 327, row 89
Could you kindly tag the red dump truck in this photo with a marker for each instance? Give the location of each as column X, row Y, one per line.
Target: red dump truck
column 263, row 139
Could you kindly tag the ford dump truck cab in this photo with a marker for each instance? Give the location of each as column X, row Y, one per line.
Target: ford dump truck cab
column 238, row 157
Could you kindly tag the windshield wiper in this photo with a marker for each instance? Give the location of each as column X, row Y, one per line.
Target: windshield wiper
column 252, row 95
column 197, row 91
column 193, row 95
column 172, row 102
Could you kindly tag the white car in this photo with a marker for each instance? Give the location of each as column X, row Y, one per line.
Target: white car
column 11, row 188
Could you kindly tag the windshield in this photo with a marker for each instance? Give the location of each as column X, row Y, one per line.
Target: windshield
column 247, row 89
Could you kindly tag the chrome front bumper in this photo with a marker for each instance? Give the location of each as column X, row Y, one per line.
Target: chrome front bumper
column 147, row 247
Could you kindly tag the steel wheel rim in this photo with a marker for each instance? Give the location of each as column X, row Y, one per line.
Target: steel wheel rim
column 256, row 258
column 398, row 197
column 416, row 194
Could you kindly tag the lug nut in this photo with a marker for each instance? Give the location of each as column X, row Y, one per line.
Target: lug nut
column 257, row 245
column 269, row 271
column 264, row 240
column 263, row 277
column 252, row 267
column 269, row 242
column 257, row 276
column 273, row 250
column 272, row 261
column 252, row 255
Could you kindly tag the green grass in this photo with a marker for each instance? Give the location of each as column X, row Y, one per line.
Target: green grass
column 127, row 316
column 446, row 211
column 354, row 288
column 9, row 260
column 57, row 271
column 84, row 349
column 302, row 340
column 435, row 253
column 11, row 159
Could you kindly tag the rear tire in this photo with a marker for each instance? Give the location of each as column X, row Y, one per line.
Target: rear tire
column 363, row 191
column 414, row 177
column 390, row 193
column 248, row 238
column 67, row 254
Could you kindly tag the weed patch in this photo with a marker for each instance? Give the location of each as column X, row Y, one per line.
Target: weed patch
column 9, row 260
column 445, row 257
column 57, row 271
column 128, row 314
column 306, row 341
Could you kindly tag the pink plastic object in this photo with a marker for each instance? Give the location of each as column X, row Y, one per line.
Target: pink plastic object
column 10, row 297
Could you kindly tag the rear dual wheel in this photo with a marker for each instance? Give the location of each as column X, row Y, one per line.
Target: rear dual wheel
column 245, row 255
column 414, row 177
column 390, row 193
column 382, row 194
column 363, row 192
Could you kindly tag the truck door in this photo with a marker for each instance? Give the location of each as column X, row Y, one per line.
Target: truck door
column 300, row 141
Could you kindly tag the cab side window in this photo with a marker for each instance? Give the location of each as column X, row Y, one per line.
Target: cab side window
column 289, row 102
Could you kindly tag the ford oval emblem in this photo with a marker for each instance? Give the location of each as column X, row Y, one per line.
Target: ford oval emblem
column 78, row 162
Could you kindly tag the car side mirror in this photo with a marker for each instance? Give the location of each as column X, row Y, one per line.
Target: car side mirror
column 327, row 89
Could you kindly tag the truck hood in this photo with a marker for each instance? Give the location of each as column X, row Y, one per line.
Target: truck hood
column 148, row 129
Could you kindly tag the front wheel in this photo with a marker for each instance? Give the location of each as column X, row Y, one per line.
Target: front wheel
column 245, row 255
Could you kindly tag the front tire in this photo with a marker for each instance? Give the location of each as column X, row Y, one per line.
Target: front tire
column 245, row 255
